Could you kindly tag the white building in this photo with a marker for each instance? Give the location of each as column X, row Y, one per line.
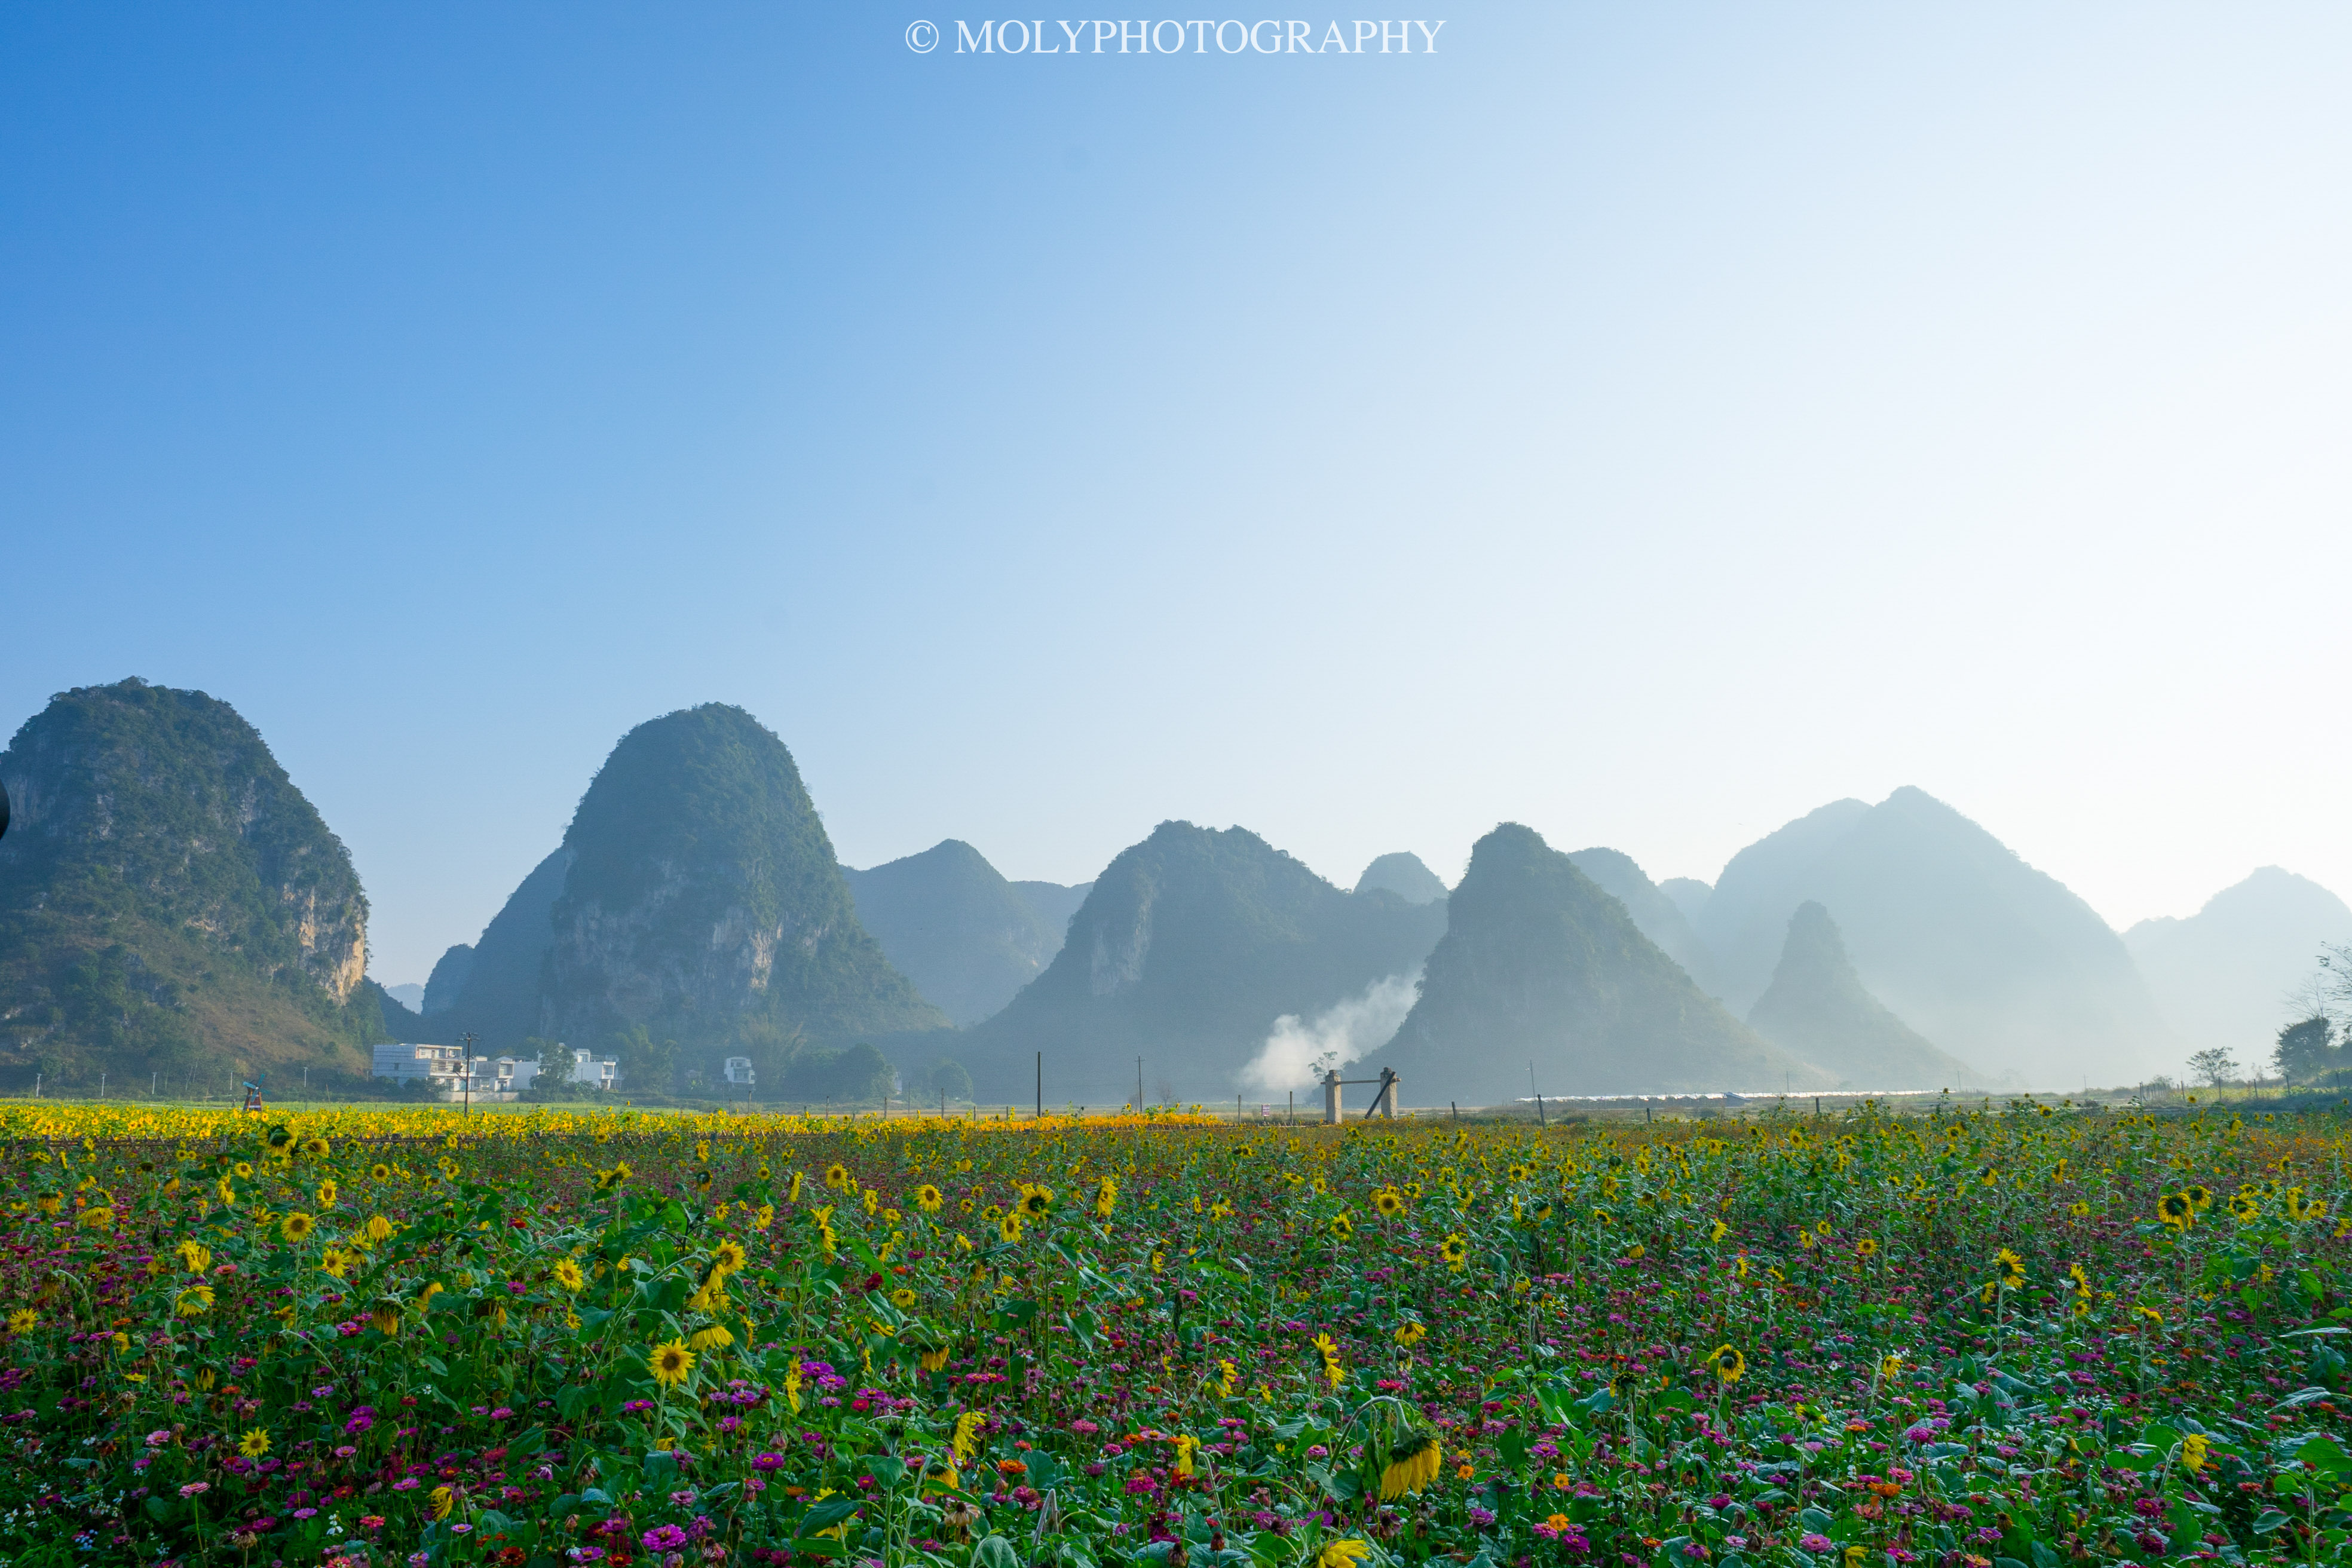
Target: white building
column 587, row 1068
column 445, row 1065
column 452, row 1075
column 739, row 1071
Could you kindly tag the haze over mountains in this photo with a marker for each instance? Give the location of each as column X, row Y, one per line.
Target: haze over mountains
column 169, row 902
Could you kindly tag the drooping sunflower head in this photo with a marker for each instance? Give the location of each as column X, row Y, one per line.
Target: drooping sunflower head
column 1342, row 1226
column 2176, row 1209
column 714, row 1337
column 1730, row 1365
column 2199, row 1196
column 933, row 1360
column 1036, row 1201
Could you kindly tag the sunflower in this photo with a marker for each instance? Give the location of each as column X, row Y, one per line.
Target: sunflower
column 836, row 1177
column 298, row 1228
column 1008, row 1229
column 1411, row 1468
column 378, row 1228
column 933, row 1359
column 712, row 1338
column 2176, row 1210
column 315, row 1147
column 244, row 1171
column 379, row 1171
column 1411, row 1334
column 1890, row 1367
column 98, row 1218
column 1390, row 1202
column 728, row 1257
column 2246, row 1208
column 196, row 1256
column 1318, row 1186
column 440, row 1501
column 1866, row 1247
column 386, row 1319
column 1343, row 1554
column 2192, row 1452
column 1342, row 1226
column 701, row 1180
column 1330, row 1354
column 989, row 1215
column 23, row 1320
column 193, row 1303
column 928, row 1198
column 1455, row 1250
column 568, row 1275
column 1036, row 1201
column 2203, row 1196
column 1105, row 1198
column 1730, row 1365
column 669, row 1361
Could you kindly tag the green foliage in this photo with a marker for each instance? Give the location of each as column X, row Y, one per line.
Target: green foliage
column 2306, row 1050
column 858, row 1076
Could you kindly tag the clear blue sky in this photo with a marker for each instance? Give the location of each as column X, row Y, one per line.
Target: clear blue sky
column 1645, row 422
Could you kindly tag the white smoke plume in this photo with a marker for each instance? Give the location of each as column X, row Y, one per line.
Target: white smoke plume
column 1297, row 1052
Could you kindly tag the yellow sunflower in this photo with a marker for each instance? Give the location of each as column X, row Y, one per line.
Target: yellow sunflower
column 568, row 1275
column 670, row 1361
column 1455, row 1250
column 296, row 1227
column 928, row 1198
column 1729, row 1364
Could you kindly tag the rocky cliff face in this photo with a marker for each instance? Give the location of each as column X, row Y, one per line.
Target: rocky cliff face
column 160, row 860
column 704, row 903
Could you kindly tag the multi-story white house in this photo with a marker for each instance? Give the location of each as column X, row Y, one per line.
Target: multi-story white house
column 444, row 1065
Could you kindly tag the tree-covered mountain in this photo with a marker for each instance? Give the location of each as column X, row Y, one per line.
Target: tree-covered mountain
column 1404, row 874
column 1690, row 896
column 2228, row 975
column 1817, row 1008
column 1658, row 917
column 1994, row 961
column 169, row 901
column 704, row 906
column 492, row 990
column 1190, row 947
column 1539, row 967
column 1054, row 904
column 965, row 935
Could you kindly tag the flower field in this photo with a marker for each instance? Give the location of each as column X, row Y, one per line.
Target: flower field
column 2018, row 1336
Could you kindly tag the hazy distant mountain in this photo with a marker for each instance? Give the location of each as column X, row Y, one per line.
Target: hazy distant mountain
column 1190, row 947
column 1690, row 896
column 1539, row 965
column 962, row 934
column 1817, row 1008
column 409, row 996
column 1994, row 961
column 1404, row 874
column 704, row 904
column 447, row 980
column 1054, row 904
column 170, row 903
column 498, row 980
column 1657, row 915
column 2222, row 975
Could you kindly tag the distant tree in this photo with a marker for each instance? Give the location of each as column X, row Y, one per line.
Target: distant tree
column 946, row 1080
column 2306, row 1049
column 2213, row 1068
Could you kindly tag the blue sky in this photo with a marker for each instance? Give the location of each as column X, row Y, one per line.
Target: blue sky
column 1647, row 423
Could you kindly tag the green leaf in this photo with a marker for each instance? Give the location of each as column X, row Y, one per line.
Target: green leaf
column 2268, row 1520
column 995, row 1551
column 2322, row 1454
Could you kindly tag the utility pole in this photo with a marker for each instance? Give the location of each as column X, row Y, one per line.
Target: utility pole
column 1041, row 1086
column 468, row 1079
column 1138, row 1085
column 101, row 1085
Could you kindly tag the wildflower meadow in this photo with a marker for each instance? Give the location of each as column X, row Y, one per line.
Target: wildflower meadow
column 2001, row 1337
